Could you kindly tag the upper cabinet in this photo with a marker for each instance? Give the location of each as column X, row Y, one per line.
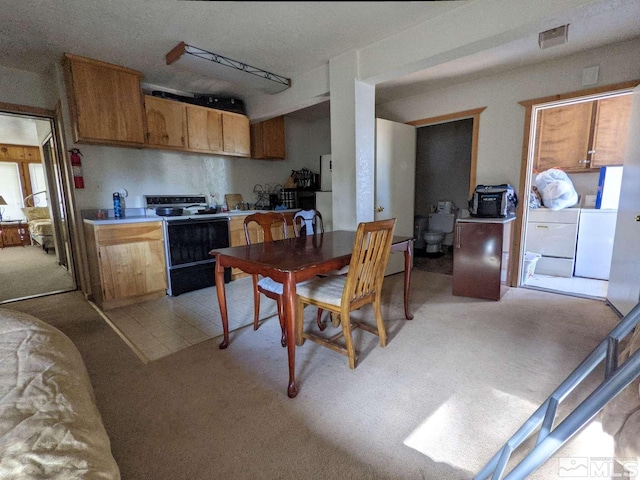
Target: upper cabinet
column 166, row 123
column 217, row 131
column 205, row 129
column 105, row 102
column 583, row 136
column 108, row 107
column 267, row 139
column 610, row 136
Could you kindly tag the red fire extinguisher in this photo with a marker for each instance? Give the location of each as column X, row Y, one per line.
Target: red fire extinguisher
column 76, row 165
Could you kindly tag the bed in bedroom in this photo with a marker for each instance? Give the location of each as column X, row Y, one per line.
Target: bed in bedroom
column 40, row 227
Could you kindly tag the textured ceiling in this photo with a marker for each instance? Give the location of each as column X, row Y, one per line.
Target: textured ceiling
column 286, row 38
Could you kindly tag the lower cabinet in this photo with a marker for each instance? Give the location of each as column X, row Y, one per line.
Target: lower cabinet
column 480, row 258
column 127, row 263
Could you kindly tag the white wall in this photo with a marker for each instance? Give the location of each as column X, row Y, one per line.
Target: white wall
column 502, row 123
column 25, row 88
column 148, row 172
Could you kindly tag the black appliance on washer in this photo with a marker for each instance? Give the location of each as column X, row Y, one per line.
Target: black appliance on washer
column 188, row 240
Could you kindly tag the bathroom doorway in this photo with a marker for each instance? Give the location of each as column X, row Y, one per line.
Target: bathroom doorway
column 445, row 171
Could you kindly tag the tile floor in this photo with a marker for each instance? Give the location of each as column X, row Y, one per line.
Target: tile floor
column 586, row 287
column 161, row 327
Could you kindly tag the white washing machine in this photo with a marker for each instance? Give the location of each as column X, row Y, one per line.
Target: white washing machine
column 553, row 234
column 596, row 231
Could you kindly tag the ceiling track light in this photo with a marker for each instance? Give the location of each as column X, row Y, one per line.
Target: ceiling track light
column 553, row 37
column 224, row 68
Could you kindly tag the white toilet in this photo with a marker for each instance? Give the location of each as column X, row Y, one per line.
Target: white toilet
column 440, row 224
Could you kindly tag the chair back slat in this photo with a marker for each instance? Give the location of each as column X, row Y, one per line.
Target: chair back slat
column 267, row 222
column 369, row 259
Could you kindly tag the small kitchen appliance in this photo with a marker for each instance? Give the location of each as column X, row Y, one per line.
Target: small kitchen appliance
column 493, row 201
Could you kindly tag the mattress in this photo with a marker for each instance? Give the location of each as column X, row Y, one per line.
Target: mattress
column 50, row 426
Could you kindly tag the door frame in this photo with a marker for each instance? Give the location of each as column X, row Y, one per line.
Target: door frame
column 55, row 118
column 521, row 217
column 452, row 117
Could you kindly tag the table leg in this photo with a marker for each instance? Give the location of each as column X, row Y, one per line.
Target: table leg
column 222, row 301
column 408, row 263
column 289, row 299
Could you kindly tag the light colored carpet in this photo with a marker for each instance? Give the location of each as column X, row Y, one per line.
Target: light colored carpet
column 449, row 389
column 29, row 270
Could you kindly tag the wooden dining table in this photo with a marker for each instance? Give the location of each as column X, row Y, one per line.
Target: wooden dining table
column 295, row 260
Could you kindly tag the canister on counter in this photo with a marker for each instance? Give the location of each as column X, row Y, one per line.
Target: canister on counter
column 117, row 205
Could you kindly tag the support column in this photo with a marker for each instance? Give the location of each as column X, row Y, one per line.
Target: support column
column 352, row 143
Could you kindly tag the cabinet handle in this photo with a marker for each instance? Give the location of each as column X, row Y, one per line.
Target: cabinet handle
column 458, row 236
column 584, row 161
column 380, row 209
column 591, row 152
column 542, row 226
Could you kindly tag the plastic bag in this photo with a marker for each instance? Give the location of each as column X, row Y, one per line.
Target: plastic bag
column 556, row 189
column 534, row 198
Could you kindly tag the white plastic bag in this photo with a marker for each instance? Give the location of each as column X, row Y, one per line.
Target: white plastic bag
column 556, row 189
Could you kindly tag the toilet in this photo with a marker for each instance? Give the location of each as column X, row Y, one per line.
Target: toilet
column 441, row 223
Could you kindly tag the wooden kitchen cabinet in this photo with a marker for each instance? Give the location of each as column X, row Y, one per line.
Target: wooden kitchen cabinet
column 610, row 135
column 105, row 102
column 205, row 129
column 236, row 134
column 583, row 136
column 127, row 263
column 166, row 123
column 267, row 139
column 480, row 258
column 216, row 131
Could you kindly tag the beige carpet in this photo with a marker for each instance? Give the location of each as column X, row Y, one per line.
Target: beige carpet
column 449, row 389
column 29, row 270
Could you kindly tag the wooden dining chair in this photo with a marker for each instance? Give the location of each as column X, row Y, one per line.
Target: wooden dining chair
column 268, row 224
column 307, row 222
column 343, row 294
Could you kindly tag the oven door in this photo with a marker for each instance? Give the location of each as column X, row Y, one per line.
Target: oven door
column 188, row 243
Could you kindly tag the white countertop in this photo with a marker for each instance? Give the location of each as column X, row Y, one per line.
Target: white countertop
column 155, row 218
column 485, row 220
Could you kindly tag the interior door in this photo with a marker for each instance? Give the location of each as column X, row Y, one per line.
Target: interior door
column 395, row 180
column 624, row 279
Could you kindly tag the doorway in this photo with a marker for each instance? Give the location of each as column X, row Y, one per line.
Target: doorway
column 445, row 172
column 581, row 267
column 36, row 255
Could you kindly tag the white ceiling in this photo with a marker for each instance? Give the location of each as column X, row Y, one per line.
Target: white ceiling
column 286, row 38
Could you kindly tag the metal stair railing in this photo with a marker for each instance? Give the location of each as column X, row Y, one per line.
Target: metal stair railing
column 550, row 439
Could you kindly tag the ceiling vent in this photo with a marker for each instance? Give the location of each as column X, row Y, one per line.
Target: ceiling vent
column 553, row 37
column 224, row 68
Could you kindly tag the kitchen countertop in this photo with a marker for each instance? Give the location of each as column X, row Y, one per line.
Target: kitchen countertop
column 486, row 220
column 155, row 218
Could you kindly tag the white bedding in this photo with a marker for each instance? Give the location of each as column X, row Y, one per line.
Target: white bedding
column 50, row 427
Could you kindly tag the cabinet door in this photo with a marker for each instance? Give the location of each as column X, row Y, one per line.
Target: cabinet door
column 132, row 269
column 205, row 129
column 562, row 138
column 267, row 139
column 477, row 260
column 611, row 131
column 236, row 134
column 106, row 102
column 166, row 122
